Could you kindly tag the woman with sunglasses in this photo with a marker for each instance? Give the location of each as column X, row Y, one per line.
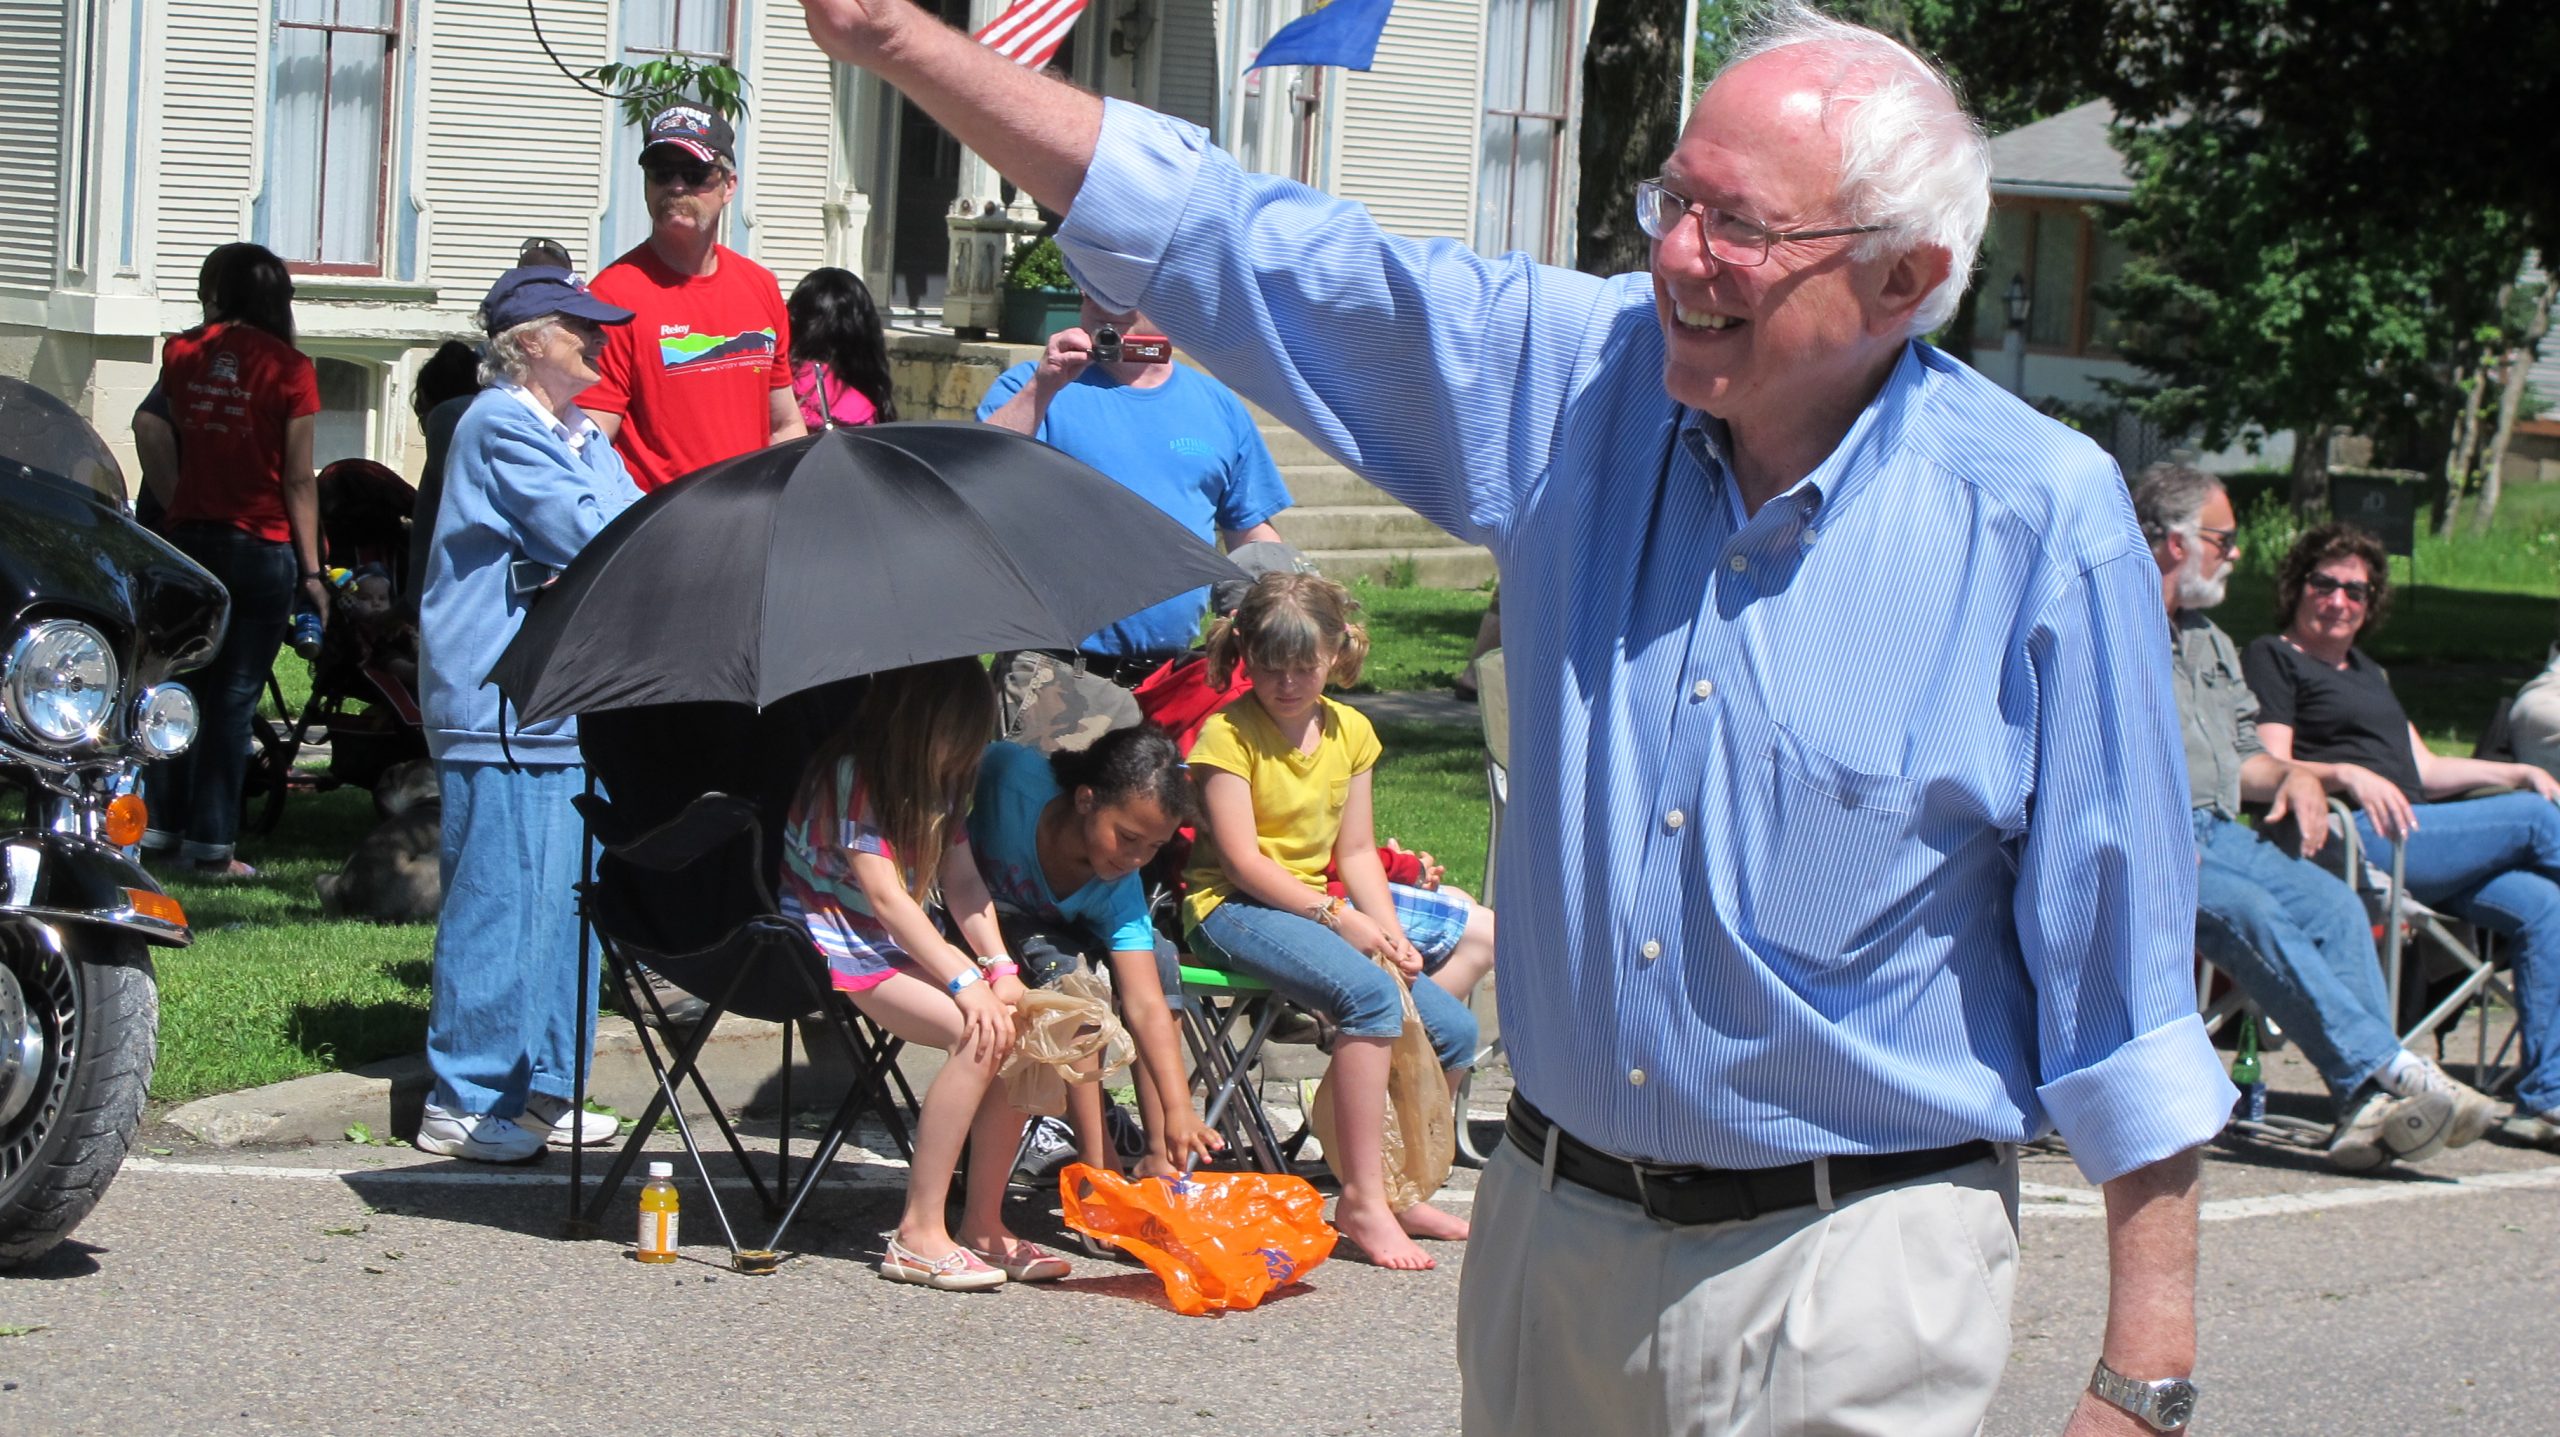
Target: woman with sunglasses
column 2324, row 704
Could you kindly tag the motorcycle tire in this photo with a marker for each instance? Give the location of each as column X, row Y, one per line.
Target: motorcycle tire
column 95, row 1007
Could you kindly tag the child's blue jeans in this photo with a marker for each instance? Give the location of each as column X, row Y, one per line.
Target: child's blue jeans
column 1309, row 964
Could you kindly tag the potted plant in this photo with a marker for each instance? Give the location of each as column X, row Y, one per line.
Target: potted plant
column 1040, row 298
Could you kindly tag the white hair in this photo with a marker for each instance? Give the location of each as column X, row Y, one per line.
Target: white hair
column 505, row 358
column 1910, row 157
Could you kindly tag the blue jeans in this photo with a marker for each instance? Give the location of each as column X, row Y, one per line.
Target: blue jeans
column 2296, row 940
column 196, row 796
column 1309, row 964
column 501, row 1011
column 2496, row 862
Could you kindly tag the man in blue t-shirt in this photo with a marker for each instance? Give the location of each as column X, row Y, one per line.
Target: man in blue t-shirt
column 1174, row 436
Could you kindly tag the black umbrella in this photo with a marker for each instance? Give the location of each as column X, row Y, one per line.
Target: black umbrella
column 845, row 553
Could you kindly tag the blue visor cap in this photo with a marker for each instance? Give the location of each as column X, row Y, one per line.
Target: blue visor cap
column 535, row 291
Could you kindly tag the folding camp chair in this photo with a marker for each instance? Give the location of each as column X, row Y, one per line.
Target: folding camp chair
column 2472, row 962
column 1227, row 1018
column 690, row 898
column 1493, row 706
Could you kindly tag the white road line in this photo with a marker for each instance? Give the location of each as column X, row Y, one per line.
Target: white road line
column 2043, row 1200
column 2287, row 1204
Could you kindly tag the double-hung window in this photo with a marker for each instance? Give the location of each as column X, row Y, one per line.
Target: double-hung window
column 329, row 137
column 704, row 31
column 1521, row 160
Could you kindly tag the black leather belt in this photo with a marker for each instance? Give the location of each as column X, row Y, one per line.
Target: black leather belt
column 1692, row 1196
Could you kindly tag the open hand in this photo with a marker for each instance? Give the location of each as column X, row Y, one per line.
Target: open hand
column 2532, row 777
column 2301, row 799
column 2381, row 800
column 986, row 1024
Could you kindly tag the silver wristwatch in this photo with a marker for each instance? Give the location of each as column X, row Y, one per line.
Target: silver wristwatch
column 2166, row 1405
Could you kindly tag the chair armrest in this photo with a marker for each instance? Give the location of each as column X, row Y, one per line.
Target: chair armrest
column 705, row 824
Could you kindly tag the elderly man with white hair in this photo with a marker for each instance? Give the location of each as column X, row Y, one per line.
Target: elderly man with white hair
column 529, row 479
column 1848, row 833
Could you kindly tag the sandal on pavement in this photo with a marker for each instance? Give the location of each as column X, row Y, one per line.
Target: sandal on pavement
column 959, row 1271
column 1030, row 1262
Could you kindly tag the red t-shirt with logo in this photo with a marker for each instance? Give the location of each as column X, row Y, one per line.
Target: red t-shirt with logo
column 693, row 373
column 232, row 389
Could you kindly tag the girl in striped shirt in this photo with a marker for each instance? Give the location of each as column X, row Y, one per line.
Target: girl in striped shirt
column 876, row 830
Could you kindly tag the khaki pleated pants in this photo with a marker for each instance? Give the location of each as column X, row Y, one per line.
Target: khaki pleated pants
column 1887, row 1316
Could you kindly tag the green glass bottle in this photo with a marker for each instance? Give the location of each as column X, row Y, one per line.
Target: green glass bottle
column 2247, row 1075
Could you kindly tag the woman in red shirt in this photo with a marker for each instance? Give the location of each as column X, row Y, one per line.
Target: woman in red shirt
column 245, row 505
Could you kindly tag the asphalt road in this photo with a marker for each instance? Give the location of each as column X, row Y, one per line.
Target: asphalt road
column 364, row 1290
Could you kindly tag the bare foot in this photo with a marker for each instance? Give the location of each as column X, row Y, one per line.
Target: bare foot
column 1377, row 1237
column 1424, row 1220
column 1152, row 1166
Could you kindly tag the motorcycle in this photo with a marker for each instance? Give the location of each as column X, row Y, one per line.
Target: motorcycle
column 96, row 615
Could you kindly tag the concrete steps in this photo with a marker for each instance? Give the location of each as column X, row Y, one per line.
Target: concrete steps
column 1351, row 529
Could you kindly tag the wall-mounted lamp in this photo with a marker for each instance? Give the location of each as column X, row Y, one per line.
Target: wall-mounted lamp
column 1130, row 29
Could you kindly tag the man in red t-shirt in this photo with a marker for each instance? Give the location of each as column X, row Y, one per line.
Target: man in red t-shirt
column 704, row 371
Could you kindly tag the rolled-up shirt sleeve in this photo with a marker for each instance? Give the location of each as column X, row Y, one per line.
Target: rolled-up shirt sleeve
column 1413, row 362
column 2106, row 894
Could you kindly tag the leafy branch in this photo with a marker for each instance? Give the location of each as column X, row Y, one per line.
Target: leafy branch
column 643, row 89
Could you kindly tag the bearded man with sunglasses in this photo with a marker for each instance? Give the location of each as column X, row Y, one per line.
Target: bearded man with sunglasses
column 2293, row 936
column 704, row 373
column 1847, row 807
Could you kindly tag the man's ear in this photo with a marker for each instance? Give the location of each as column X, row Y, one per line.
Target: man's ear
column 1909, row 279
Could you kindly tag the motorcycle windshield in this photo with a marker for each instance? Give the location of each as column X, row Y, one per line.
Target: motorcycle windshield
column 44, row 439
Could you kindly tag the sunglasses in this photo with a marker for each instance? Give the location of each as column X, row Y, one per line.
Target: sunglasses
column 692, row 174
column 2323, row 584
column 2220, row 539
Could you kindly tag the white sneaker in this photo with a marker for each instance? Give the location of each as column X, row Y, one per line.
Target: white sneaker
column 476, row 1137
column 549, row 1116
column 2473, row 1112
column 2382, row 1127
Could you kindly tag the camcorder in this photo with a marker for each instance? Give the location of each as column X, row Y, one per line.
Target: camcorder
column 1110, row 346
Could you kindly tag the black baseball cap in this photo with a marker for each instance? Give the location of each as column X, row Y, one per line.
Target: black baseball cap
column 533, row 291
column 696, row 129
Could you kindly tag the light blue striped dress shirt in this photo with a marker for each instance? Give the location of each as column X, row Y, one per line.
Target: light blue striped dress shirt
column 1858, row 827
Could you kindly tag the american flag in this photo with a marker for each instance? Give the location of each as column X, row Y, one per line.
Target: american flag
column 1029, row 31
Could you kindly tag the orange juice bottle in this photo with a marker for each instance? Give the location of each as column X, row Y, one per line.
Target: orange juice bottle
column 658, row 1215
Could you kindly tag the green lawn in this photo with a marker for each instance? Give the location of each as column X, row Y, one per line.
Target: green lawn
column 271, row 991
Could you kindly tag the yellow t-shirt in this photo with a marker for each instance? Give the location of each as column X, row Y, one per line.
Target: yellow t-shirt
column 1297, row 797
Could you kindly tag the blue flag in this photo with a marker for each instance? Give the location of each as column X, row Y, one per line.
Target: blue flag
column 1343, row 32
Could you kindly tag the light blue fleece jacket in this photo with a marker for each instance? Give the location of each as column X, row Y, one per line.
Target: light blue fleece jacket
column 513, row 489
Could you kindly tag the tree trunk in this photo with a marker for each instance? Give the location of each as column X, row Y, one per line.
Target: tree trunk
column 2510, row 398
column 2464, row 451
column 2311, row 470
column 1631, row 113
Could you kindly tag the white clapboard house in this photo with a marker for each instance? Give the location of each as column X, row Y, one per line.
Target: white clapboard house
column 398, row 151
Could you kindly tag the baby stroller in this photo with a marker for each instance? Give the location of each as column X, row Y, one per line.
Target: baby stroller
column 363, row 700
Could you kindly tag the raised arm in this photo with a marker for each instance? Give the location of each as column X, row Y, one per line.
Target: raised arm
column 1038, row 132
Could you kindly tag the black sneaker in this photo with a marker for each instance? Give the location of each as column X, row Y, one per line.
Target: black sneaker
column 1046, row 1147
column 684, row 1011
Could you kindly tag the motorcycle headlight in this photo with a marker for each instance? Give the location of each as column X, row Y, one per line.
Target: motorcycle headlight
column 165, row 721
column 60, row 683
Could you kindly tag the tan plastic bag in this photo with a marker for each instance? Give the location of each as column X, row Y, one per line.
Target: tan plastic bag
column 1065, row 1033
column 1421, row 1137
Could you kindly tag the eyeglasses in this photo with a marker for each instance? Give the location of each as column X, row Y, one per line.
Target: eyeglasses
column 2323, row 584
column 1733, row 239
column 692, row 174
column 2220, row 539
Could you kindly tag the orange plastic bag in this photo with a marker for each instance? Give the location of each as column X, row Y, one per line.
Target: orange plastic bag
column 1217, row 1240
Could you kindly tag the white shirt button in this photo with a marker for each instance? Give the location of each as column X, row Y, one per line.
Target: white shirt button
column 1703, row 689
column 1636, row 1076
column 1674, row 819
column 1737, row 563
column 1651, row 949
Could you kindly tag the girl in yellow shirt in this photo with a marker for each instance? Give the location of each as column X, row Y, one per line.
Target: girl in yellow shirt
column 1284, row 779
